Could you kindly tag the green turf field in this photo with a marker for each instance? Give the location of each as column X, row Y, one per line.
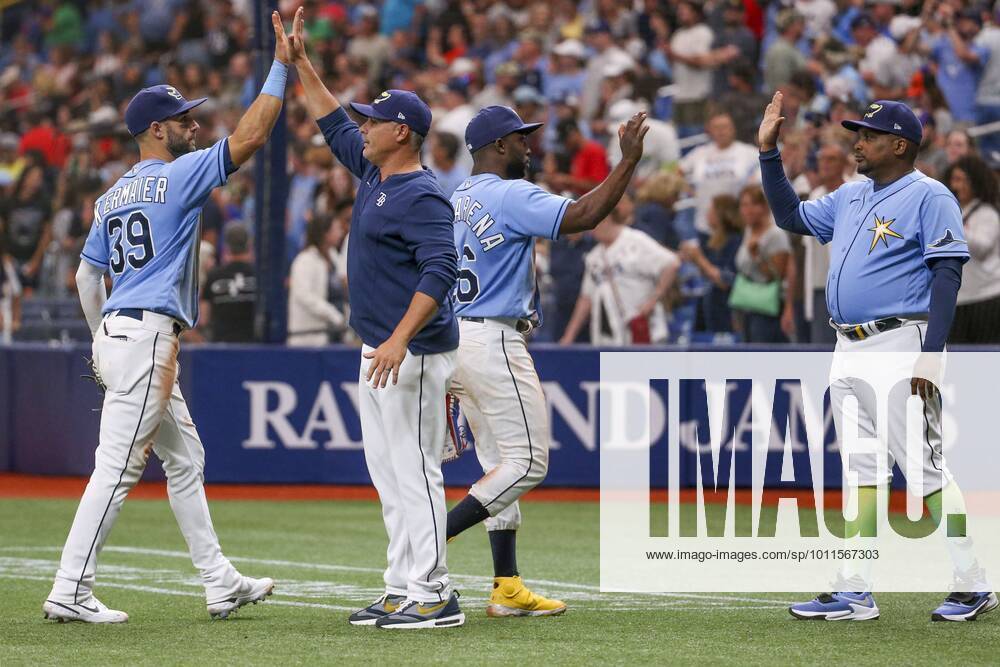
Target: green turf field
column 327, row 559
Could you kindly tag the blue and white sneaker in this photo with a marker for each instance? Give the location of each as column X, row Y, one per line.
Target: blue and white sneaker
column 384, row 606
column 965, row 606
column 413, row 615
column 837, row 607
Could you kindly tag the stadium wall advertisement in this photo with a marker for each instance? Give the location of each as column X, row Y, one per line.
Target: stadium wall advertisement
column 282, row 415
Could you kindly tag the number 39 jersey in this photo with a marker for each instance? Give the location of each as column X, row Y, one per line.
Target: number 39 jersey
column 146, row 231
column 496, row 222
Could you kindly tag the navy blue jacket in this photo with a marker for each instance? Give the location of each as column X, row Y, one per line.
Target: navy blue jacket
column 402, row 241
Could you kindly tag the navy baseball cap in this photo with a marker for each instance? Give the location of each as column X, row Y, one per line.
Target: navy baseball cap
column 399, row 106
column 156, row 104
column 492, row 123
column 891, row 117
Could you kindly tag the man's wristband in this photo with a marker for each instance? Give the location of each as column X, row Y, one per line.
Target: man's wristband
column 274, row 85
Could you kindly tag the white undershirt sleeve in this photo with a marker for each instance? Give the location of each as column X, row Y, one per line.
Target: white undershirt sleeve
column 90, row 285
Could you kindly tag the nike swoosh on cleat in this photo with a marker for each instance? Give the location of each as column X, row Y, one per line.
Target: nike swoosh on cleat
column 69, row 608
column 430, row 610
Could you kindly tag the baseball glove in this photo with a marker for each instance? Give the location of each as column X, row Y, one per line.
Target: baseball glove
column 456, row 437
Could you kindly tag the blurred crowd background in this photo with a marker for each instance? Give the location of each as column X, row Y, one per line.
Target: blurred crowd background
column 659, row 270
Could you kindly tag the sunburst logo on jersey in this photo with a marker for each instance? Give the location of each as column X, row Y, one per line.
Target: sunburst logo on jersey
column 881, row 231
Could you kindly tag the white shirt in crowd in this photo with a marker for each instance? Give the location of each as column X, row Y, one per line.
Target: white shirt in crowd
column 891, row 68
column 988, row 91
column 714, row 171
column 311, row 316
column 693, row 83
column 453, row 122
column 817, row 13
column 590, row 96
column 621, row 277
column 981, row 274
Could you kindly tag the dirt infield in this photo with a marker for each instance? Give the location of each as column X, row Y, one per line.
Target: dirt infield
column 14, row 485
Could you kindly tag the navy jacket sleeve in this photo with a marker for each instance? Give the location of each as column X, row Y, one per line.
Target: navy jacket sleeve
column 946, row 280
column 780, row 195
column 431, row 236
column 344, row 138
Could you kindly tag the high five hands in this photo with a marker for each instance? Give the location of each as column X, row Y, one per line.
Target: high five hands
column 289, row 48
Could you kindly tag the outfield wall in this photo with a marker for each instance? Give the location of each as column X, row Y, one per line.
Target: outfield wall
column 277, row 414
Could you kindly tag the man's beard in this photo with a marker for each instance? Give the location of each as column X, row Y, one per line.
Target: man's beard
column 177, row 145
column 517, row 170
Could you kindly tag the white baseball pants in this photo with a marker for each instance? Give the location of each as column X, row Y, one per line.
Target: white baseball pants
column 143, row 411
column 403, row 426
column 502, row 398
column 875, row 372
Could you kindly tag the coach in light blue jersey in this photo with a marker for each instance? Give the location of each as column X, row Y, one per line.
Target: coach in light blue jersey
column 498, row 215
column 145, row 236
column 896, row 254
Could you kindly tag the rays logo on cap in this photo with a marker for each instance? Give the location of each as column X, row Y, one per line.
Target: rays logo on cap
column 873, row 109
column 382, row 98
column 173, row 93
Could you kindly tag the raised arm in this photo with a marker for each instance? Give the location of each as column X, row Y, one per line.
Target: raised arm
column 778, row 190
column 320, row 101
column 256, row 124
column 341, row 133
column 587, row 212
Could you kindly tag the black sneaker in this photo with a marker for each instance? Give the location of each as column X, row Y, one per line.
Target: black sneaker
column 415, row 615
column 385, row 605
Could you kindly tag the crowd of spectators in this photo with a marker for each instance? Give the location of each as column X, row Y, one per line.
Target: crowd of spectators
column 660, row 269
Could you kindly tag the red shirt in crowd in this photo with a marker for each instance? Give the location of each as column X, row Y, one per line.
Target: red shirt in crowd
column 48, row 141
column 590, row 163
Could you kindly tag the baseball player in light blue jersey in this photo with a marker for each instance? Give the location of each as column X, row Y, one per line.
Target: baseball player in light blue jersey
column 498, row 216
column 896, row 255
column 145, row 236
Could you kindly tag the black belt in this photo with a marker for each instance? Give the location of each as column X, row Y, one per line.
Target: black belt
column 136, row 314
column 523, row 326
column 862, row 331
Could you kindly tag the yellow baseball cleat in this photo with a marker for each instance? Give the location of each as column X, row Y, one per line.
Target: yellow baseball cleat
column 512, row 598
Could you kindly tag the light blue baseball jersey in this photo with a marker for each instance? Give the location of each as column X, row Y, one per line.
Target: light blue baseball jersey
column 146, row 232
column 496, row 222
column 881, row 242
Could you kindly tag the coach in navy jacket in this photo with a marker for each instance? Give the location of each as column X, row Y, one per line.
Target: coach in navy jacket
column 402, row 241
column 401, row 269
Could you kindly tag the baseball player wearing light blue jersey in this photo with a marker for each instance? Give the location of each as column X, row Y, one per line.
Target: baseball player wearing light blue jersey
column 498, row 216
column 896, row 255
column 145, row 235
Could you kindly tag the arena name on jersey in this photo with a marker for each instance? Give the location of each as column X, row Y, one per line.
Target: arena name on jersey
column 147, row 190
column 465, row 210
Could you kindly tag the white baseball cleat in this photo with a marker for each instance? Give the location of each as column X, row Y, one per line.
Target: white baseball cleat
column 251, row 591
column 90, row 611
